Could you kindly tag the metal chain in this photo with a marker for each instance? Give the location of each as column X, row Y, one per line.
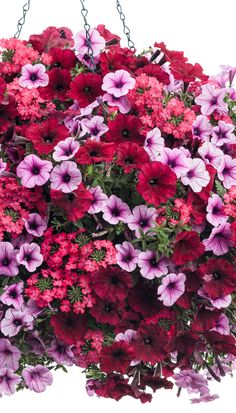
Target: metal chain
column 21, row 22
column 126, row 30
column 87, row 27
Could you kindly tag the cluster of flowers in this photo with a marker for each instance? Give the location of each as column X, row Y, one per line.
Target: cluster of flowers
column 117, row 216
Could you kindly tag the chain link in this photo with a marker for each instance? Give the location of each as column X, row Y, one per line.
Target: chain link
column 87, row 28
column 21, row 22
column 126, row 30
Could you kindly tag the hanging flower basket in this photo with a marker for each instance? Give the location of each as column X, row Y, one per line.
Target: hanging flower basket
column 117, row 224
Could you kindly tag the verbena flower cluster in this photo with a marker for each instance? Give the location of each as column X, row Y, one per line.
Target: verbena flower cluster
column 118, row 217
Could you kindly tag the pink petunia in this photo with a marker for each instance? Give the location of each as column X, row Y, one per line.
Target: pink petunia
column 197, row 176
column 171, row 288
column 118, row 83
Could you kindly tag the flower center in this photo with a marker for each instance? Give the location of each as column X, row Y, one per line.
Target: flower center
column 143, row 223
column 154, row 181
column 27, row 257
column 125, row 132
column 115, row 280
column 66, row 178
column 87, row 90
column 33, row 77
column 33, row 225
column 118, row 353
column 147, row 340
column 5, row 262
column 13, row 294
column 35, row 170
column 216, row 276
column 115, row 212
column 107, row 308
column 17, row 322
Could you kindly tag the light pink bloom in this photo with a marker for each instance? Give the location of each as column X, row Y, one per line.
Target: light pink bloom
column 176, row 160
column 66, row 177
column 223, row 133
column 115, row 210
column 8, row 381
column 81, row 46
column 122, row 102
column 37, row 378
column 118, row 83
column 201, row 128
column 61, row 353
column 35, row 225
column 33, row 171
column 99, row 200
column 219, row 302
column 65, row 150
column 12, row 295
column 9, row 355
column 227, row 171
column 222, row 325
column 3, row 166
column 211, row 99
column 205, row 398
column 142, row 219
column 197, row 176
column 219, row 240
column 210, row 154
column 8, row 263
column 29, row 256
column 192, row 381
column 171, row 288
column 215, row 212
column 127, row 256
column 151, row 265
column 33, row 76
column 154, row 143
column 94, row 127
column 14, row 321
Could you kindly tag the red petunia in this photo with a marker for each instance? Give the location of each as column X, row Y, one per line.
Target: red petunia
column 68, row 327
column 75, row 204
column 95, row 152
column 157, row 183
column 131, row 156
column 45, row 135
column 111, row 284
column 62, row 58
column 124, row 129
column 221, row 343
column 205, row 320
column 187, row 72
column 85, row 88
column 58, row 86
column 154, row 71
column 107, row 35
column 143, row 299
column 149, row 346
column 187, row 247
column 52, row 37
column 116, row 357
column 219, row 277
column 105, row 312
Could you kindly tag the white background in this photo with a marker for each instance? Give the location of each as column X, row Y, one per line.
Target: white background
column 205, row 31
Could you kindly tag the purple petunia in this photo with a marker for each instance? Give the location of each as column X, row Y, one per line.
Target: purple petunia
column 37, row 378
column 33, row 171
column 127, row 256
column 197, row 177
column 210, row 154
column 66, row 177
column 201, row 128
column 151, row 266
column 61, row 353
column 115, row 210
column 118, row 83
column 33, row 76
column 12, row 295
column 154, row 143
column 99, row 200
column 35, row 225
column 227, row 171
column 142, row 219
column 94, row 127
column 8, row 381
column 14, row 321
column 211, row 99
column 215, row 213
column 29, row 256
column 223, row 133
column 122, row 102
column 219, row 240
column 9, row 355
column 65, row 150
column 176, row 160
column 171, row 288
column 8, row 262
column 192, row 381
column 97, row 43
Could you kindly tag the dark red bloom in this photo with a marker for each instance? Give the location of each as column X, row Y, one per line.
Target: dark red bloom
column 105, row 312
column 221, row 343
column 155, row 382
column 116, row 357
column 219, row 277
column 58, row 86
column 62, row 58
column 187, row 247
column 124, row 129
column 8, row 113
column 205, row 193
column 157, row 183
column 143, row 299
column 111, row 284
column 130, row 156
column 197, row 207
column 45, row 135
column 3, row 87
column 187, row 72
column 75, row 204
column 149, row 346
column 69, row 327
column 171, row 55
column 154, row 71
column 95, row 152
column 107, row 35
column 52, row 37
column 85, row 88
column 205, row 320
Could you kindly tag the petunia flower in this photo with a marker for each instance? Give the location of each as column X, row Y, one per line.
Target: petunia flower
column 201, row 128
column 118, row 83
column 115, row 210
column 12, row 295
column 219, row 240
column 171, row 288
column 33, row 76
column 15, row 320
column 142, row 219
column 35, row 225
column 215, row 212
column 127, row 256
column 66, row 177
column 151, row 266
column 33, row 171
column 29, row 256
column 8, row 262
column 65, row 150
column 222, row 325
column 99, row 200
column 154, row 143
column 3, row 166
column 227, row 171
column 211, row 154
column 61, row 353
column 121, row 102
column 8, row 381
column 197, row 176
column 97, row 43
column 37, row 378
column 223, row 133
column 192, row 381
column 176, row 160
column 94, row 127
column 9, row 355
column 211, row 99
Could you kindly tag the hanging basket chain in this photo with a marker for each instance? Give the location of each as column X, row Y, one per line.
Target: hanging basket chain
column 21, row 22
column 87, row 27
column 126, row 29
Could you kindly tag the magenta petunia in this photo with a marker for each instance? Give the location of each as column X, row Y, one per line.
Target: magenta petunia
column 215, row 212
column 12, row 295
column 151, row 265
column 37, row 378
column 33, row 171
column 29, row 256
column 219, row 240
column 65, row 150
column 9, row 355
column 142, row 219
column 61, row 353
column 115, row 210
column 171, row 288
column 8, row 262
column 154, row 143
column 118, row 83
column 127, row 256
column 35, row 225
column 8, row 381
column 99, row 200
column 66, row 177
column 33, row 76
